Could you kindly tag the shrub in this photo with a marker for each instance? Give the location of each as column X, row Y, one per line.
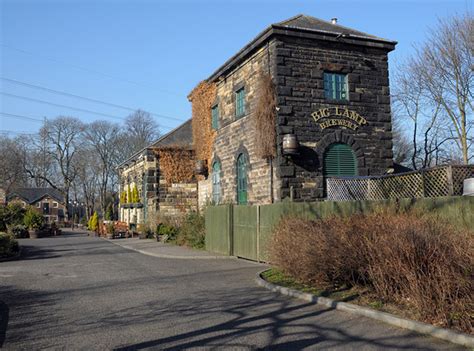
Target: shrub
column 11, row 215
column 412, row 260
column 94, row 222
column 32, row 219
column 167, row 230
column 192, row 231
column 19, row 231
column 8, row 245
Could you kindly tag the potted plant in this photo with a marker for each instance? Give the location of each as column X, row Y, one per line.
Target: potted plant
column 33, row 221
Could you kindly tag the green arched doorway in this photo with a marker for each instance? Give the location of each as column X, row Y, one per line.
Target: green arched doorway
column 339, row 160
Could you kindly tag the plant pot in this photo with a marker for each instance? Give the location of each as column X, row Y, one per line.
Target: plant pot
column 290, row 144
column 34, row 234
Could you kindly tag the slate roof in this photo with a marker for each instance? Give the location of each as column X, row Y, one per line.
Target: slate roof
column 304, row 26
column 315, row 24
column 32, row 195
column 181, row 136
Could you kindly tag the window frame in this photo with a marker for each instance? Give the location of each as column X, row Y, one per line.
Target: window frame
column 332, row 87
column 215, row 117
column 242, row 182
column 216, row 182
column 240, row 103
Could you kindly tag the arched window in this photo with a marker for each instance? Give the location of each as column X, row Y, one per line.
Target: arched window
column 242, row 179
column 340, row 160
column 216, row 182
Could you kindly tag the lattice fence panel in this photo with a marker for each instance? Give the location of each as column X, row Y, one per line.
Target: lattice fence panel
column 436, row 182
column 432, row 182
column 459, row 174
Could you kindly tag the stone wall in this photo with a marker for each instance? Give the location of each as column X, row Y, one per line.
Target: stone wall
column 176, row 199
column 299, row 65
column 235, row 136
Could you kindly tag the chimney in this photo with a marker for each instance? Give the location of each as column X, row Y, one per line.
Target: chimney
column 334, row 20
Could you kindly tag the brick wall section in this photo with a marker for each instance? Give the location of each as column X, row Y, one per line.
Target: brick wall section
column 235, row 135
column 176, row 199
column 299, row 66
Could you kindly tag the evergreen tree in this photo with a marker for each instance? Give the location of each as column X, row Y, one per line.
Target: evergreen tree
column 94, row 222
column 135, row 197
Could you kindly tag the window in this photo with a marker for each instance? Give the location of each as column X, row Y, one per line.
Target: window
column 242, row 179
column 340, row 160
column 216, row 182
column 335, row 86
column 55, row 204
column 38, row 204
column 240, row 102
column 215, row 117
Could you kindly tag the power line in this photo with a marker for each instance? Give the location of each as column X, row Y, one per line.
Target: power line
column 59, row 92
column 147, row 85
column 11, row 115
column 4, row 131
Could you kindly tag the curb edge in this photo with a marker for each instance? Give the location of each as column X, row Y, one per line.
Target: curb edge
column 420, row 327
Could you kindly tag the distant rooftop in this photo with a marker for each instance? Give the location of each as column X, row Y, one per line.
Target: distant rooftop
column 32, row 195
column 181, row 136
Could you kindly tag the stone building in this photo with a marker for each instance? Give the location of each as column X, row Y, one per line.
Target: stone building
column 48, row 202
column 157, row 196
column 332, row 95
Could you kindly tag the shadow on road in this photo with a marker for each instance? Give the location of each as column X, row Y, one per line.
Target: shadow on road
column 289, row 325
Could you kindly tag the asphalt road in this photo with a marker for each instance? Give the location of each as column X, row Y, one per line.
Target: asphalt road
column 76, row 292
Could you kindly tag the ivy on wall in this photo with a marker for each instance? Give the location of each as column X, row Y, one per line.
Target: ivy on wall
column 202, row 98
column 265, row 114
column 176, row 164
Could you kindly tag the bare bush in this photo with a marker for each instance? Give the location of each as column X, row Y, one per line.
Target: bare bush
column 415, row 261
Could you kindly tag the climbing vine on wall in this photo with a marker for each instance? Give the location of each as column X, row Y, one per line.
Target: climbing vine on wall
column 202, row 97
column 176, row 164
column 265, row 114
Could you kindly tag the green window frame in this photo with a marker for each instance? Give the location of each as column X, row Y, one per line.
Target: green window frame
column 215, row 117
column 216, row 182
column 240, row 103
column 335, row 86
column 242, row 179
column 340, row 160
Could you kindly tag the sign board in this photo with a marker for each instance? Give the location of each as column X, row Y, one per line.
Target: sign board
column 341, row 116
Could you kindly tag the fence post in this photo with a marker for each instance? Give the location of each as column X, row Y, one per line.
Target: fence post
column 449, row 177
column 231, row 229
column 258, row 232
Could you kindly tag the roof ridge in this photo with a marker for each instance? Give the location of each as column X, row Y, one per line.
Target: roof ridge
column 290, row 19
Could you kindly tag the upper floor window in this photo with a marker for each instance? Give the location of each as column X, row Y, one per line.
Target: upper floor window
column 335, row 86
column 215, row 117
column 240, row 103
column 55, row 204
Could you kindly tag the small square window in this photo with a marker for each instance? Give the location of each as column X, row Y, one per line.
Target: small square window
column 335, row 86
column 38, row 204
column 55, row 204
column 215, row 117
column 240, row 103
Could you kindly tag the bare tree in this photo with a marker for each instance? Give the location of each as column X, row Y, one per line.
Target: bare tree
column 140, row 130
column 86, row 182
column 103, row 137
column 61, row 138
column 445, row 66
column 12, row 174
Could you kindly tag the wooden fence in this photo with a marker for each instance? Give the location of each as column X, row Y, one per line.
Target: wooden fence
column 245, row 231
column 432, row 182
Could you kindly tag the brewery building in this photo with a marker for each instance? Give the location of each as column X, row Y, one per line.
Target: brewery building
column 304, row 100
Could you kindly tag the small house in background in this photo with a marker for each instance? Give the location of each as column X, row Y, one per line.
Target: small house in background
column 48, row 202
column 158, row 181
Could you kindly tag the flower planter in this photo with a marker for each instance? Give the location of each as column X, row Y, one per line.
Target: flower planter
column 34, row 234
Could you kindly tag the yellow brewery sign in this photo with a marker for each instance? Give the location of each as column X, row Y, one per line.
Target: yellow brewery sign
column 343, row 118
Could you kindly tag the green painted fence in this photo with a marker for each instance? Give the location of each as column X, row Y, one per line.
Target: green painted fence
column 245, row 231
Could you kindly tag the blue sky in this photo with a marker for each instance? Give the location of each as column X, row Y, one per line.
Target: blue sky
column 150, row 54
